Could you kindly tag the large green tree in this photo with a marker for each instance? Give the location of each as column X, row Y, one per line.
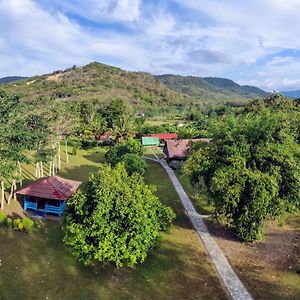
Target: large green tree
column 252, row 166
column 116, row 153
column 115, row 218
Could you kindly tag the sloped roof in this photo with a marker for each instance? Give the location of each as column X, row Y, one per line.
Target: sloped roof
column 104, row 136
column 51, row 187
column 179, row 149
column 150, row 141
column 165, row 136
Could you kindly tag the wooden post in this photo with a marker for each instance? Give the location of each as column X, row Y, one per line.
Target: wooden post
column 15, row 188
column 20, row 173
column 36, row 174
column 58, row 156
column 66, row 149
column 50, row 168
column 42, row 170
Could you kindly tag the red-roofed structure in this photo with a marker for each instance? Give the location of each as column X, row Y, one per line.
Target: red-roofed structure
column 105, row 136
column 178, row 150
column 165, row 136
column 48, row 194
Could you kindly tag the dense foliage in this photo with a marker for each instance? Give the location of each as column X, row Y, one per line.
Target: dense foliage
column 115, row 218
column 115, row 153
column 252, row 166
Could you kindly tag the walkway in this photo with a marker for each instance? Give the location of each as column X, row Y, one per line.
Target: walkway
column 231, row 281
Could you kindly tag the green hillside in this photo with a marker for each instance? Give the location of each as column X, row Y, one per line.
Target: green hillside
column 101, row 81
column 97, row 80
column 210, row 88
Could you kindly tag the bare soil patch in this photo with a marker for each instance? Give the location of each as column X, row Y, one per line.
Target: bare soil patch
column 269, row 268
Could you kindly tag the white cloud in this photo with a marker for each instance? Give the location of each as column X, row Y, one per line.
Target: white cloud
column 249, row 41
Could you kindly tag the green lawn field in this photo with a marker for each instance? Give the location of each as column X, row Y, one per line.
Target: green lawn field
column 39, row 266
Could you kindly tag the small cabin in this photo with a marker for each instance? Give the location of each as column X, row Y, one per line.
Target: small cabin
column 48, row 195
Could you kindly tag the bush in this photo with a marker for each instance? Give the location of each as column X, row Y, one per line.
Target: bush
column 74, row 150
column 9, row 223
column 115, row 154
column 134, row 164
column 2, row 218
column 21, row 226
column 16, row 223
column 176, row 164
column 28, row 225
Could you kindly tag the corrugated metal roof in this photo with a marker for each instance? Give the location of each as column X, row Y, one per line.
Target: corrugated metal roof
column 51, row 187
column 150, row 141
column 179, row 149
column 165, row 136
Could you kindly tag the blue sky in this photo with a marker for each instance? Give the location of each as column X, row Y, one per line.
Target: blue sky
column 252, row 42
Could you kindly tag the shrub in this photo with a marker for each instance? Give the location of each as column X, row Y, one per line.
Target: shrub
column 28, row 225
column 21, row 226
column 16, row 223
column 2, row 218
column 134, row 164
column 74, row 150
column 9, row 222
column 115, row 154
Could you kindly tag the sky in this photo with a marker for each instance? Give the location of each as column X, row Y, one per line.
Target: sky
column 252, row 42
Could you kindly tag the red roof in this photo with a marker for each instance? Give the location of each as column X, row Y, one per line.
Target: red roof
column 165, row 136
column 104, row 136
column 52, row 187
column 179, row 149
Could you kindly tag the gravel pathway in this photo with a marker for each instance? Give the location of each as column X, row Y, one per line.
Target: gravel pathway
column 231, row 281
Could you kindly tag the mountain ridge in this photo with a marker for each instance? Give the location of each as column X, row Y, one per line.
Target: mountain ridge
column 9, row 79
column 139, row 88
column 292, row 94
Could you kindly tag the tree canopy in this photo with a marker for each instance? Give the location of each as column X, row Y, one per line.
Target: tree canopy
column 252, row 166
column 115, row 218
column 115, row 154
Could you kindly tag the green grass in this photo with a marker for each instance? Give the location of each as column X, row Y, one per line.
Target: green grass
column 39, row 266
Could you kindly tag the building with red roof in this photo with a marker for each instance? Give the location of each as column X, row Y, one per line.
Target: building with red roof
column 165, row 136
column 105, row 136
column 48, row 194
column 179, row 149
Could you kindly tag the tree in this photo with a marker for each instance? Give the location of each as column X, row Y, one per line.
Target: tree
column 251, row 169
column 133, row 163
column 115, row 154
column 115, row 218
column 119, row 119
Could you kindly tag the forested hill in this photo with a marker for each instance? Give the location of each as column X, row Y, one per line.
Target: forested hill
column 212, row 88
column 97, row 80
column 9, row 79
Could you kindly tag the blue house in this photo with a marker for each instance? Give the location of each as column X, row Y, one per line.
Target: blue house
column 48, row 194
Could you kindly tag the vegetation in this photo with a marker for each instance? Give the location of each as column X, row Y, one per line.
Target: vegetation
column 142, row 90
column 116, row 218
column 252, row 168
column 116, row 153
column 134, row 164
column 210, row 88
column 176, row 269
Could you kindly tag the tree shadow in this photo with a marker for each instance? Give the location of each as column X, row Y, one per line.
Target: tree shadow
column 95, row 157
column 80, row 173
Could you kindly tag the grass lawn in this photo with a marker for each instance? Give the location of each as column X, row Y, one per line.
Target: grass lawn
column 39, row 266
